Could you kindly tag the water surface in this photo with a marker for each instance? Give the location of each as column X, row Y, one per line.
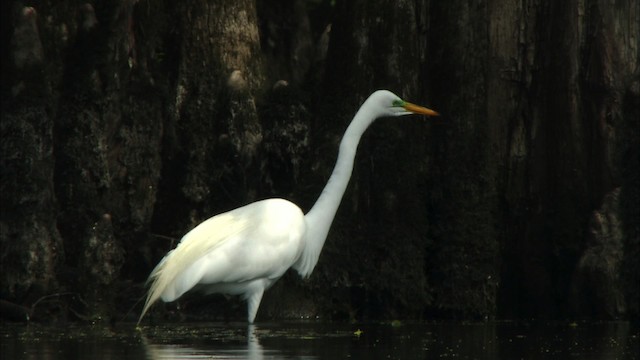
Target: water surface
column 313, row 340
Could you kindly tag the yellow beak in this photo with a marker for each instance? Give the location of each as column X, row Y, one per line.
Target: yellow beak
column 419, row 109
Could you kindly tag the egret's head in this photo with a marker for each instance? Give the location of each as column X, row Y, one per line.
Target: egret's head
column 390, row 104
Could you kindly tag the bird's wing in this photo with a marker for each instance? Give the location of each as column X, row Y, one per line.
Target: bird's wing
column 232, row 246
column 197, row 242
column 264, row 251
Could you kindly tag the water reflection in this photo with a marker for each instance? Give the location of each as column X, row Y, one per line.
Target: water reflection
column 253, row 350
column 491, row 340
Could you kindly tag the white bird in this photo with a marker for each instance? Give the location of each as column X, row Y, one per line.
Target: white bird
column 246, row 250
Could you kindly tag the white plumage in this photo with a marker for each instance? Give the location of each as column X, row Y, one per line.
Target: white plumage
column 244, row 251
column 229, row 252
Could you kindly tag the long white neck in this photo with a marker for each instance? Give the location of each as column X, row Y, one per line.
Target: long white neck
column 318, row 220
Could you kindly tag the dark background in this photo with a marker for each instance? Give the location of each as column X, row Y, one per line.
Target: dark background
column 126, row 123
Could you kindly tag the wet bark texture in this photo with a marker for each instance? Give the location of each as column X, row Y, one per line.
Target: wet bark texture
column 127, row 123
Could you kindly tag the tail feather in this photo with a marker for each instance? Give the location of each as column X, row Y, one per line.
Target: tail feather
column 157, row 286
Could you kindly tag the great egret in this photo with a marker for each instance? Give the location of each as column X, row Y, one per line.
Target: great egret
column 246, row 250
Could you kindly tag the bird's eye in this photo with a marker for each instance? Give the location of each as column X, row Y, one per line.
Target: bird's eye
column 397, row 103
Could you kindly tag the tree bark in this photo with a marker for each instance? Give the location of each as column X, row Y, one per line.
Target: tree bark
column 30, row 245
column 127, row 123
column 213, row 133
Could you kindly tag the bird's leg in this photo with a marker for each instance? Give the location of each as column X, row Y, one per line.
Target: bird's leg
column 253, row 303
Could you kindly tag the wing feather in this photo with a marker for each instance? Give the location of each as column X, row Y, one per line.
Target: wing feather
column 197, row 242
column 197, row 253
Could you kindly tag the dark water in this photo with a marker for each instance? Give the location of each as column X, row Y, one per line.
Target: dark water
column 310, row 340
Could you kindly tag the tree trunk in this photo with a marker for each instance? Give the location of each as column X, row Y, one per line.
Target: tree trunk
column 30, row 244
column 213, row 133
column 125, row 124
column 462, row 192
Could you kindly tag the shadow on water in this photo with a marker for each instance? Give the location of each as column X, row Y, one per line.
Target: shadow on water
column 312, row 340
